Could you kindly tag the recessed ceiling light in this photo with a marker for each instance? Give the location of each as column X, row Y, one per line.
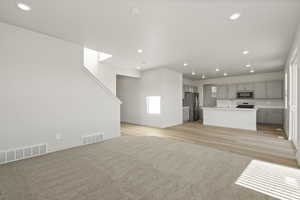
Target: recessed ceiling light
column 193, row 73
column 185, row 64
column 245, row 52
column 248, row 65
column 138, row 68
column 251, row 71
column 24, row 7
column 140, row 51
column 217, row 70
column 203, row 76
column 225, row 74
column 235, row 16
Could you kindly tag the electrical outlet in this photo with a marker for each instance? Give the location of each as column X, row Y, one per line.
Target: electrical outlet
column 58, row 136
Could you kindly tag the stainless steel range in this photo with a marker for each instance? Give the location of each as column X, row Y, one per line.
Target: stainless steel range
column 245, row 105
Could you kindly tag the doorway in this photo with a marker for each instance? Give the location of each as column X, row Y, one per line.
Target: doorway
column 293, row 100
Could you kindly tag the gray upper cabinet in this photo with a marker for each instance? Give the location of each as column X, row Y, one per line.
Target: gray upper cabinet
column 232, row 90
column 189, row 88
column 222, row 92
column 241, row 87
column 260, row 90
column 245, row 86
column 275, row 89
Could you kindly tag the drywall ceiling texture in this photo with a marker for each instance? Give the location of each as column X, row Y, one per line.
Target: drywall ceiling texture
column 45, row 92
column 160, row 82
column 170, row 32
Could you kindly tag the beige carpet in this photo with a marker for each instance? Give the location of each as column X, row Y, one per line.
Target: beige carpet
column 137, row 168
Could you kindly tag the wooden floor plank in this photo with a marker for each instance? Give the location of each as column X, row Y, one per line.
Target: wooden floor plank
column 268, row 143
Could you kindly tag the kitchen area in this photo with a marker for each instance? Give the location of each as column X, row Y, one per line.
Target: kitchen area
column 239, row 105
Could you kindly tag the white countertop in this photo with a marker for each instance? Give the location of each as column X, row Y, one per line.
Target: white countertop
column 246, row 109
column 269, row 107
column 259, row 104
column 230, row 109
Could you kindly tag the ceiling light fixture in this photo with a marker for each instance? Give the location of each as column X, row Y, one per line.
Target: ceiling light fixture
column 24, row 7
column 140, row 51
column 225, row 74
column 252, row 71
column 185, row 64
column 248, row 65
column 217, row 70
column 203, row 76
column 235, row 16
column 245, row 52
column 193, row 73
column 138, row 68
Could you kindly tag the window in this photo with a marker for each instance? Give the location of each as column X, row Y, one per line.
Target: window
column 153, row 104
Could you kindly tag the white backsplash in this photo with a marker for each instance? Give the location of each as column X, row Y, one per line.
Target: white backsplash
column 225, row 104
column 256, row 102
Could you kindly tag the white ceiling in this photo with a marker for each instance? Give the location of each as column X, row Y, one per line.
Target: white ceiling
column 170, row 32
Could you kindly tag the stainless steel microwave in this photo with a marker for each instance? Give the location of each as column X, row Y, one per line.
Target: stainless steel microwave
column 245, row 95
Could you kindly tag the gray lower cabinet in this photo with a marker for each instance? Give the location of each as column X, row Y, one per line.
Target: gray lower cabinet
column 270, row 116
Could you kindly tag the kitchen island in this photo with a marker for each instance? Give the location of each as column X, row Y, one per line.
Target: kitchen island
column 240, row 118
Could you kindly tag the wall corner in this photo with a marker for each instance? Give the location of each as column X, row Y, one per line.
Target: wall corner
column 298, row 157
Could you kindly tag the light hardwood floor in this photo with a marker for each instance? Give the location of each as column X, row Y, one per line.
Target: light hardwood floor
column 268, row 143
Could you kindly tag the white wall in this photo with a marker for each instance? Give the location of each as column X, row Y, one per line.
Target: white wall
column 128, row 72
column 45, row 91
column 161, row 82
column 172, row 98
column 108, row 76
column 296, row 46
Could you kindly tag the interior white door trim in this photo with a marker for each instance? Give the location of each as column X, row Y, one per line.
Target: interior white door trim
column 293, row 99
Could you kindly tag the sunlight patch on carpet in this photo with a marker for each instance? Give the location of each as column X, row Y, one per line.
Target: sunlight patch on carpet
column 271, row 179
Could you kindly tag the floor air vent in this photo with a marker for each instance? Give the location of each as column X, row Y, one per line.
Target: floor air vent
column 22, row 153
column 91, row 139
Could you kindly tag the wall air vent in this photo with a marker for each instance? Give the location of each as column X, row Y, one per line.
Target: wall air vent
column 91, row 139
column 12, row 155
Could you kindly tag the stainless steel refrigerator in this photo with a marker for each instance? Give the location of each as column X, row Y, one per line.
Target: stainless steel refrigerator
column 191, row 99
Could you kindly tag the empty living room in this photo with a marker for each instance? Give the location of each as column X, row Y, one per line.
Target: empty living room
column 150, row 100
